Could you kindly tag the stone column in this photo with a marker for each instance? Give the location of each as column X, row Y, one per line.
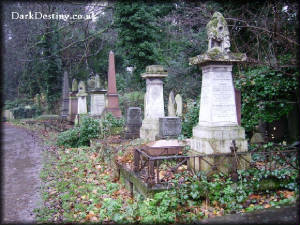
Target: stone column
column 65, row 95
column 82, row 106
column 112, row 95
column 218, row 123
column 153, row 101
column 73, row 101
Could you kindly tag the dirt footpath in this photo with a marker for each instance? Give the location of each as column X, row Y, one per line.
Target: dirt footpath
column 22, row 162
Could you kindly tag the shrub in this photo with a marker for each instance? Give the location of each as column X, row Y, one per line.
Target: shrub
column 80, row 135
column 89, row 128
column 111, row 125
column 190, row 119
column 69, row 138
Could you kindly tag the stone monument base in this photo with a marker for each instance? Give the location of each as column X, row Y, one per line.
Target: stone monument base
column 208, row 141
column 211, row 140
column 149, row 129
column 223, row 163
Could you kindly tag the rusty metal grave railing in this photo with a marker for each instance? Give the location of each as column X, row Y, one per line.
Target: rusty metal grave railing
column 161, row 169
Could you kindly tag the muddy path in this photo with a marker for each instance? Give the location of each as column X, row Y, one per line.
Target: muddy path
column 21, row 165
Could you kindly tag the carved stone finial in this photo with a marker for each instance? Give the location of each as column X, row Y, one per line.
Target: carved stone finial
column 218, row 33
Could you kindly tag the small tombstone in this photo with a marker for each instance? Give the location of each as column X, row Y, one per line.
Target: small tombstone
column 171, row 104
column 133, row 122
column 178, row 100
column 74, row 85
column 169, row 127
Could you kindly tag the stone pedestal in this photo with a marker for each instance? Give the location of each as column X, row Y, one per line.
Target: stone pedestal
column 153, row 101
column 218, row 124
column 169, row 127
column 97, row 102
column 133, row 122
column 112, row 96
column 73, row 106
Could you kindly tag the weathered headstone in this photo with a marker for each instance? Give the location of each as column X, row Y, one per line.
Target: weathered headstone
column 65, row 103
column 73, row 101
column 82, row 95
column 178, row 100
column 171, row 105
column 112, row 95
column 133, row 122
column 169, row 127
column 153, row 101
column 97, row 98
column 218, row 124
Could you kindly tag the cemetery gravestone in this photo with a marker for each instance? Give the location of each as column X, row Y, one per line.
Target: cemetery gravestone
column 169, row 127
column 97, row 98
column 171, row 104
column 82, row 106
column 178, row 100
column 112, row 96
column 133, row 122
column 153, row 101
column 218, row 124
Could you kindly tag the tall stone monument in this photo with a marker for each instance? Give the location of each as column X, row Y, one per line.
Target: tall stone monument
column 112, row 96
column 82, row 95
column 97, row 98
column 153, row 101
column 218, row 124
column 73, row 101
column 65, row 95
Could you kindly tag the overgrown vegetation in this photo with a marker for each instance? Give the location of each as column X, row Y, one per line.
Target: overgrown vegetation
column 83, row 189
column 80, row 135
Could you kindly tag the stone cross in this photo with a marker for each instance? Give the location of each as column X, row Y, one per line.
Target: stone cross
column 112, row 95
column 171, row 104
column 178, row 100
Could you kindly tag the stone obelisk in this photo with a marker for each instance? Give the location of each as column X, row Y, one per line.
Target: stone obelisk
column 112, row 95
